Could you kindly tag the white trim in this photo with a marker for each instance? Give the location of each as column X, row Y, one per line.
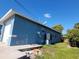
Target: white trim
column 12, row 12
column 8, row 31
column 7, row 16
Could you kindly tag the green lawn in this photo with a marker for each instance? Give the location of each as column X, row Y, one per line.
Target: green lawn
column 59, row 51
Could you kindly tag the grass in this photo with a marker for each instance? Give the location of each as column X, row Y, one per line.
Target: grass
column 59, row 51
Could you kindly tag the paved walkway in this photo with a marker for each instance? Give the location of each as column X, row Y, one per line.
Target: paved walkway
column 12, row 52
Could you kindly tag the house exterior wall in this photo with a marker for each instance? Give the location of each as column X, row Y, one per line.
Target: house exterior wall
column 0, row 31
column 27, row 32
column 7, row 31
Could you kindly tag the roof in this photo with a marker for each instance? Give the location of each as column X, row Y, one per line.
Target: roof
column 11, row 12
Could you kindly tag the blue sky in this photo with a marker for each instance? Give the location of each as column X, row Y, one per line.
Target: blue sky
column 50, row 12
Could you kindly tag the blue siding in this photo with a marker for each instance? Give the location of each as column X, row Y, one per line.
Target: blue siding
column 0, row 31
column 27, row 32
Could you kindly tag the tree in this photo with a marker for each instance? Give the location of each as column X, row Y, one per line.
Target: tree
column 76, row 26
column 58, row 28
column 73, row 35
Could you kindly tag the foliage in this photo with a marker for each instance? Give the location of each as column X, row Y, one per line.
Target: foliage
column 73, row 33
column 58, row 28
column 76, row 26
column 60, row 51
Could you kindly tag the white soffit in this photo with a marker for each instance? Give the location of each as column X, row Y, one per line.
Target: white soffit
column 6, row 16
column 10, row 13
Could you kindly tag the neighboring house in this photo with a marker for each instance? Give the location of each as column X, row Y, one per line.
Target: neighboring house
column 20, row 30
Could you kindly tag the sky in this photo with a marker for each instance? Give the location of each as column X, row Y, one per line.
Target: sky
column 48, row 12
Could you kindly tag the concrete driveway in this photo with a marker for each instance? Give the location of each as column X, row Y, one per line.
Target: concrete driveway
column 12, row 52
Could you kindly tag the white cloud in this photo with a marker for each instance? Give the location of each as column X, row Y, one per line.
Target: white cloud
column 47, row 15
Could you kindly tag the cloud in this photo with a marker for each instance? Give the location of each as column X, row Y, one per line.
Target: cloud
column 47, row 15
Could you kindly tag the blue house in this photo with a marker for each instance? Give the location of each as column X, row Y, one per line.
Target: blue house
column 17, row 29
